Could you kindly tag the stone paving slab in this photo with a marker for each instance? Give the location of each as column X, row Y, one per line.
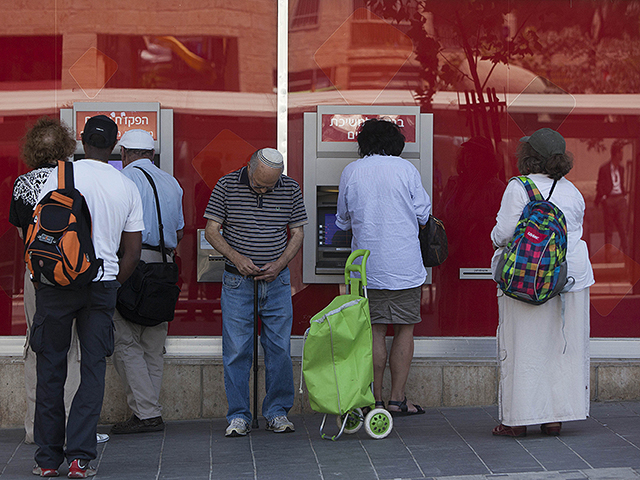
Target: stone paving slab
column 443, row 444
column 593, row 474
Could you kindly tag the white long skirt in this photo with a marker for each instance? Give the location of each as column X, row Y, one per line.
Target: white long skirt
column 544, row 367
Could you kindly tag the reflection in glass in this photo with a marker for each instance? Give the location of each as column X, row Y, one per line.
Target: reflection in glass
column 468, row 62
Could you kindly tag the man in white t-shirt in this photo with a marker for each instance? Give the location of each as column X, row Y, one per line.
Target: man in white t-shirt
column 117, row 223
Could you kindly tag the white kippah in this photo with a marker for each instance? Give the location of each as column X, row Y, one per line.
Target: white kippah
column 270, row 157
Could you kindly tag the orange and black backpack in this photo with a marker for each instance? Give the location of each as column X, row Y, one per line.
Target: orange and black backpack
column 58, row 249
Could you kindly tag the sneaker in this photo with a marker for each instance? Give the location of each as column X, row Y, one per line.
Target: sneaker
column 44, row 472
column 81, row 469
column 237, row 428
column 102, row 437
column 281, row 424
column 135, row 425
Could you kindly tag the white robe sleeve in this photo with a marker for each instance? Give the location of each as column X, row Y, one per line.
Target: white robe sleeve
column 513, row 202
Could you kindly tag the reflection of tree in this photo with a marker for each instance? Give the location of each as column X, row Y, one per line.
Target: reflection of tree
column 448, row 34
column 596, row 49
column 587, row 47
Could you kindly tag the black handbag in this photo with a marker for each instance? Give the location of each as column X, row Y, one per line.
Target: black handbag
column 433, row 242
column 149, row 296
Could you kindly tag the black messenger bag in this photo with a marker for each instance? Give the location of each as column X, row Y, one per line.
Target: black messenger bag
column 149, row 296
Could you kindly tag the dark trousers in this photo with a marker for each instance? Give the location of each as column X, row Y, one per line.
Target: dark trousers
column 615, row 218
column 93, row 308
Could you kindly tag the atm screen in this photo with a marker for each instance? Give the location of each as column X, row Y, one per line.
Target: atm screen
column 333, row 236
column 330, row 228
column 116, row 163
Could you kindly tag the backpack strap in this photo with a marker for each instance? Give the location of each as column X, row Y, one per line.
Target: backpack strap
column 65, row 175
column 531, row 188
column 552, row 187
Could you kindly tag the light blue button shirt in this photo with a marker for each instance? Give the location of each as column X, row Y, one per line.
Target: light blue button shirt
column 170, row 195
column 383, row 202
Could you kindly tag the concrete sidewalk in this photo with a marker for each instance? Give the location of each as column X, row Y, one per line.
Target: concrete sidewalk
column 445, row 443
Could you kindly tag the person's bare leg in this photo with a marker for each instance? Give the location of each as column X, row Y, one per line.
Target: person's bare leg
column 379, row 358
column 400, row 359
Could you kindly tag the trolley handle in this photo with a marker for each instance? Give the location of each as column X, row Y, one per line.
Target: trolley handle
column 361, row 269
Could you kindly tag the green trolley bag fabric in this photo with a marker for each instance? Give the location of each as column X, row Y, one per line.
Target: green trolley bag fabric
column 338, row 357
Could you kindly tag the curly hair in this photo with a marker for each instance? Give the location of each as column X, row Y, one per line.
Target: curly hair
column 380, row 137
column 46, row 142
column 555, row 167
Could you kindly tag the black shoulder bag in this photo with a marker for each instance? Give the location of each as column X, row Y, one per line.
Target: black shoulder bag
column 433, row 243
column 149, row 296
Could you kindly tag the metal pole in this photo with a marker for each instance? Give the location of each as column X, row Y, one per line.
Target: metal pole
column 282, row 95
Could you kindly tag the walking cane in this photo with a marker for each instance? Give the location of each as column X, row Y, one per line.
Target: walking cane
column 254, row 424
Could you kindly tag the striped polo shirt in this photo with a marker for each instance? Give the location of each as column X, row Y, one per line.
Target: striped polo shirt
column 253, row 224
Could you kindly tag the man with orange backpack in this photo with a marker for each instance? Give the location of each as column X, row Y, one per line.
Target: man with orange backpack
column 116, row 224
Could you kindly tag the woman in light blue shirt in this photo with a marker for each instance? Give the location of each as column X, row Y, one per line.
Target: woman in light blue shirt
column 382, row 201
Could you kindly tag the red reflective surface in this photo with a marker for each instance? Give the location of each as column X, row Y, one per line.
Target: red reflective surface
column 565, row 65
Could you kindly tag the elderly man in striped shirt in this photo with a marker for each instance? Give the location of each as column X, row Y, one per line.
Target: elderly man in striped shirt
column 248, row 217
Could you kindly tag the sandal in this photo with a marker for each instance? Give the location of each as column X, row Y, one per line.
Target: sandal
column 507, row 431
column 404, row 409
column 551, row 429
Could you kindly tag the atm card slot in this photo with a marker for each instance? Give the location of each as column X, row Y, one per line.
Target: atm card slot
column 329, row 271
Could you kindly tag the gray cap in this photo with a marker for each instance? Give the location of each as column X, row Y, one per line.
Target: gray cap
column 546, row 142
column 270, row 157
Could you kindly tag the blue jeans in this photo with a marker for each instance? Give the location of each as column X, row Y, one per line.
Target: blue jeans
column 276, row 313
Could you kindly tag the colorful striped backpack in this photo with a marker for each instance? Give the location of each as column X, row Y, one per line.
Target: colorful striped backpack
column 533, row 267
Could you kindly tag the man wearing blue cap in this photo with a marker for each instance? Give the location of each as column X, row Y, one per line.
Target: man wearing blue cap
column 255, row 207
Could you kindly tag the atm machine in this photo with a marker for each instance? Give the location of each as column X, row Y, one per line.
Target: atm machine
column 128, row 116
column 329, row 145
column 158, row 122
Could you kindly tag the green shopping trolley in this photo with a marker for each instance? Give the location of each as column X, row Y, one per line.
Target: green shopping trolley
column 337, row 359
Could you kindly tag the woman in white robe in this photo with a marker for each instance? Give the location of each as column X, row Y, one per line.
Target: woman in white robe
column 544, row 359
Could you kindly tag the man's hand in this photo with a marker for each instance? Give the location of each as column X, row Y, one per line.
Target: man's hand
column 130, row 248
column 244, row 264
column 269, row 272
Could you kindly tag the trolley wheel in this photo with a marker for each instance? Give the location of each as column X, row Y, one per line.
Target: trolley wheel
column 354, row 419
column 378, row 423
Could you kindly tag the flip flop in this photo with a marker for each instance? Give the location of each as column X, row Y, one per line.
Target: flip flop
column 404, row 409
